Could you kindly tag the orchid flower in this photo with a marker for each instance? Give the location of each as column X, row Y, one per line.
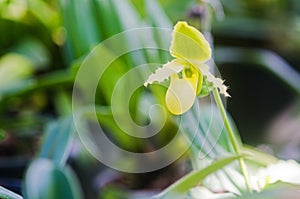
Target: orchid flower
column 187, row 71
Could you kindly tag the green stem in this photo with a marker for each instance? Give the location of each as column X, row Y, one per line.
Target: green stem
column 232, row 138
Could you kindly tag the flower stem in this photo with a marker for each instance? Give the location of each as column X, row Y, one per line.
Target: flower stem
column 232, row 137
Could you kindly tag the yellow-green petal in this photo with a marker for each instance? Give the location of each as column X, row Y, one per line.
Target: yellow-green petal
column 181, row 93
column 189, row 44
column 164, row 72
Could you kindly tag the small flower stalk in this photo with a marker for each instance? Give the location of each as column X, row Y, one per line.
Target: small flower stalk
column 188, row 71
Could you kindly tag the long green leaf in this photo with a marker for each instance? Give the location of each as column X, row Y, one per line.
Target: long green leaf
column 264, row 59
column 26, row 86
column 106, row 119
column 204, row 127
column 45, row 13
column 107, row 18
column 278, row 190
column 254, row 155
column 57, row 141
column 192, row 179
column 79, row 21
column 44, row 180
column 158, row 18
column 7, row 194
column 130, row 19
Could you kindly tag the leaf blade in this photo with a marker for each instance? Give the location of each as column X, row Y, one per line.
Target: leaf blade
column 195, row 177
column 7, row 194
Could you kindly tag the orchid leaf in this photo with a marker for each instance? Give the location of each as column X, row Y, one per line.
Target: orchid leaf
column 180, row 187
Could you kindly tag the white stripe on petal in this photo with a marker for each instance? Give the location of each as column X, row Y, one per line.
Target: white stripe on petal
column 164, row 72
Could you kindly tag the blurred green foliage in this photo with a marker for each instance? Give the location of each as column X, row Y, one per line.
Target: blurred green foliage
column 43, row 43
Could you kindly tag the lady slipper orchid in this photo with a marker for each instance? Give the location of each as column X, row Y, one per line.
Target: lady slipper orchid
column 190, row 50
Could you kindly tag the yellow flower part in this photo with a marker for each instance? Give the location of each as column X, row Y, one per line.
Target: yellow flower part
column 186, row 71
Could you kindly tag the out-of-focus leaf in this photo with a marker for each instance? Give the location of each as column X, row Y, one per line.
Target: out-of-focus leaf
column 44, row 180
column 200, row 192
column 81, row 27
column 265, row 59
column 9, row 38
column 35, row 50
column 130, row 19
column 107, row 18
column 13, row 10
column 2, row 135
column 57, row 141
column 257, row 157
column 46, row 14
column 109, row 74
column 128, row 16
column 63, row 103
column 6, row 194
column 111, row 192
column 13, row 68
column 106, row 119
column 16, row 88
column 176, row 10
column 25, row 86
column 210, row 137
column 211, row 141
column 204, row 126
column 277, row 191
column 179, row 188
column 157, row 17
column 249, row 28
